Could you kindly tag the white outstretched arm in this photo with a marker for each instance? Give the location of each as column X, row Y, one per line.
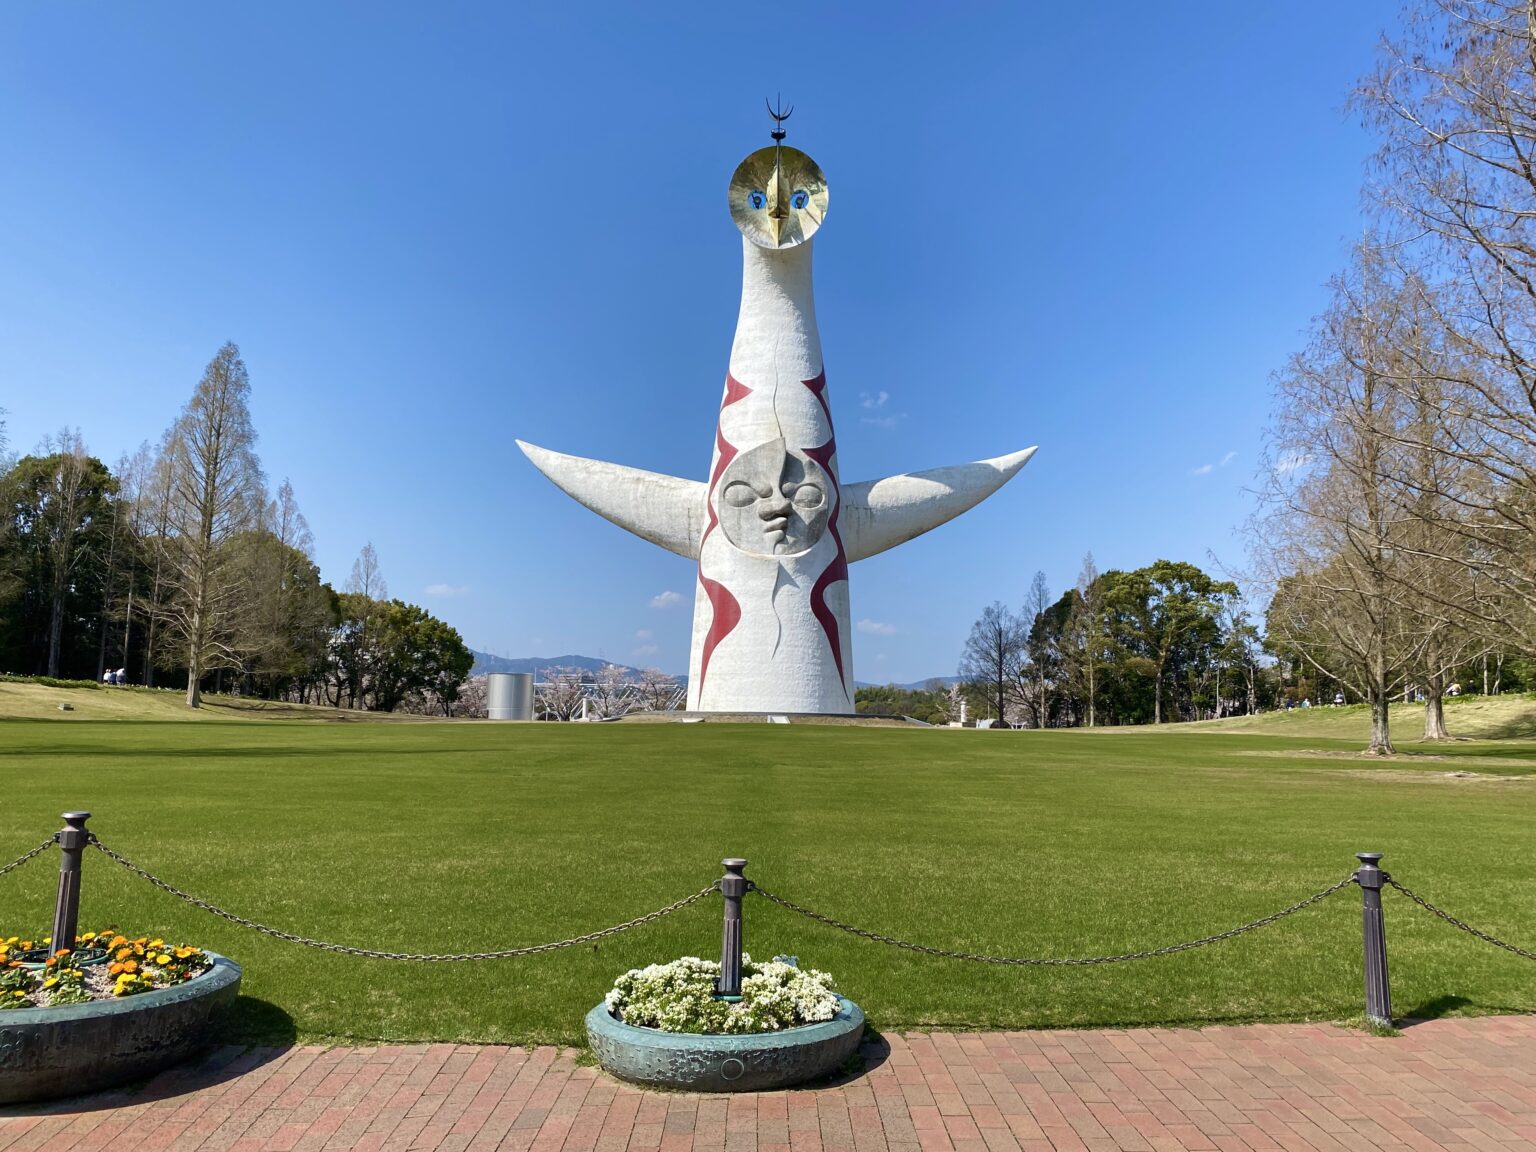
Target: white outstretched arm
column 880, row 514
column 665, row 510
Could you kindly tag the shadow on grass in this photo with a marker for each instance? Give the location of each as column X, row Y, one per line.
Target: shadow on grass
column 258, row 1022
column 1450, row 1004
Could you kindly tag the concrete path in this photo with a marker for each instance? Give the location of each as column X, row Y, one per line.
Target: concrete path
column 1443, row 1084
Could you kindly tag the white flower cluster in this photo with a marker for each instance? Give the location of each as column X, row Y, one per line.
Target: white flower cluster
column 680, row 997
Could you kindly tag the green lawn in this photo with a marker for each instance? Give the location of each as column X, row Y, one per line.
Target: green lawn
column 468, row 836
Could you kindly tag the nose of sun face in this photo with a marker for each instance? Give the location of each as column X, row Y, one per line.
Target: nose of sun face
column 778, row 203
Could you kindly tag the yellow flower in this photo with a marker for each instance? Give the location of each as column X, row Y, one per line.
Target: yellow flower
column 183, row 952
column 162, row 959
column 50, row 982
column 19, row 995
column 89, row 936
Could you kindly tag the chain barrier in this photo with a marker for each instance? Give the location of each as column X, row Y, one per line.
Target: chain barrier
column 1449, row 919
column 22, row 859
column 1054, row 961
column 375, row 954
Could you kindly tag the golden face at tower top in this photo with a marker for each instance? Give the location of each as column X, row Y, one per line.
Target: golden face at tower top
column 778, row 197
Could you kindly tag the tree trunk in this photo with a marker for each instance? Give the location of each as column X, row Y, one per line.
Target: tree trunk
column 1157, row 698
column 1090, row 693
column 1381, row 734
column 56, row 621
column 127, row 626
column 1434, row 714
column 194, row 665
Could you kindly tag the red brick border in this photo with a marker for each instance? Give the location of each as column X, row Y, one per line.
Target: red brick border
column 1463, row 1083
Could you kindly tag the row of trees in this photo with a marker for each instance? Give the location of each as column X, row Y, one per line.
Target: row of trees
column 1164, row 642
column 1396, row 530
column 180, row 567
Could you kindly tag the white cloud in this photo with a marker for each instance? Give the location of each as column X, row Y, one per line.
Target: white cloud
column 666, row 599
column 446, row 590
column 643, row 634
column 1207, row 469
column 643, row 651
column 885, row 422
column 876, row 628
column 873, row 401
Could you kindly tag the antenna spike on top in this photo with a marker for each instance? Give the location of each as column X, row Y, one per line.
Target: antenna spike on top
column 779, row 114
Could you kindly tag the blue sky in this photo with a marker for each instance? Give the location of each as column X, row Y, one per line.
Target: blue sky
column 434, row 228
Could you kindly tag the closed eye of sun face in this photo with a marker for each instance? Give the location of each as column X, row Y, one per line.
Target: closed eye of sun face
column 741, row 495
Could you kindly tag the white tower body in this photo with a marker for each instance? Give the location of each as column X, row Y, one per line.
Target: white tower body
column 770, row 623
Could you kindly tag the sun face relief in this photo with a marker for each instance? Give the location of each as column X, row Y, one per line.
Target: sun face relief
column 778, row 197
column 774, row 501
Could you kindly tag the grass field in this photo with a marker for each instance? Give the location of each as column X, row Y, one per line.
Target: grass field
column 469, row 836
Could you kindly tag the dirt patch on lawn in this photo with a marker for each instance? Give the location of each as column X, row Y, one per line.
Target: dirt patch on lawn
column 1401, row 767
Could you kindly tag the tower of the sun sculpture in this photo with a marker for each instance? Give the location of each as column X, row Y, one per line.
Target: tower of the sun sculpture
column 773, row 529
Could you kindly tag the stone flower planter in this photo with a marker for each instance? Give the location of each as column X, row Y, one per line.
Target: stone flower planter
column 66, row 1051
column 756, row 1062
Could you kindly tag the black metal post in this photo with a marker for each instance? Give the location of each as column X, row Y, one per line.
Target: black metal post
column 733, row 886
column 1378, row 991
column 66, row 912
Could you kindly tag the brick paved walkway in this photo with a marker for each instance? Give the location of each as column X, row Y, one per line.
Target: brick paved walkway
column 1444, row 1084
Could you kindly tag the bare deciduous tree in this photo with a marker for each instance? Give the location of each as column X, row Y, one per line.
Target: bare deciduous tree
column 1454, row 100
column 990, row 663
column 215, row 493
column 1336, row 525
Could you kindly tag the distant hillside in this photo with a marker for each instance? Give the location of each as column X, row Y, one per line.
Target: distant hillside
column 485, row 662
column 915, row 686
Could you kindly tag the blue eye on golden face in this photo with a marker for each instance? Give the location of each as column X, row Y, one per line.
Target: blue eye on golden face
column 801, row 198
column 758, row 199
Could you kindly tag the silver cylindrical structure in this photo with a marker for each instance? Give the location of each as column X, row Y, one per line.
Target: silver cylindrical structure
column 509, row 695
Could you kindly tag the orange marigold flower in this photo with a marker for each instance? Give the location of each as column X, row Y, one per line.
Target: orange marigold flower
column 123, row 953
column 130, row 966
